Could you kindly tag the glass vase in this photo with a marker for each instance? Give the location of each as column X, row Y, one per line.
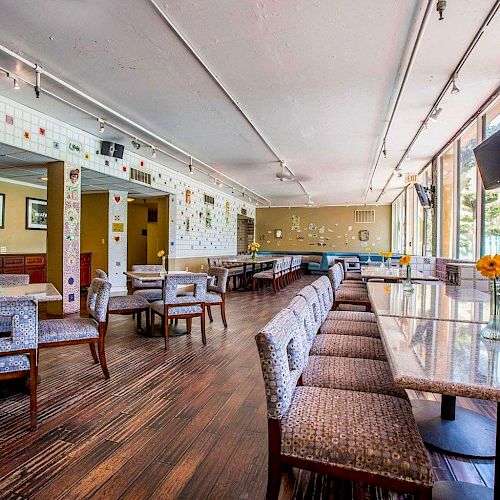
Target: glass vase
column 163, row 265
column 389, row 262
column 382, row 264
column 369, row 260
column 492, row 330
column 407, row 284
column 254, row 256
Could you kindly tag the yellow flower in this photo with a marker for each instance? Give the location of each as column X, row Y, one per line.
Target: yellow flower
column 388, row 254
column 253, row 247
column 381, row 252
column 368, row 249
column 489, row 266
column 161, row 253
column 405, row 260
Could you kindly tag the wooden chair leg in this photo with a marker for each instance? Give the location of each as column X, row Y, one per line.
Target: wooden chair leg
column 165, row 332
column 223, row 314
column 254, row 283
column 102, row 358
column 148, row 324
column 189, row 324
column 139, row 319
column 33, row 388
column 209, row 311
column 275, row 286
column 203, row 335
column 275, row 468
column 94, row 352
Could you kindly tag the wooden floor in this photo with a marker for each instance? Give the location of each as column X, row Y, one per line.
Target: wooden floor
column 190, row 423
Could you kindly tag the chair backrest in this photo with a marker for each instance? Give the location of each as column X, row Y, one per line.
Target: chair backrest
column 7, row 280
column 101, row 274
column 325, row 294
column 281, row 352
column 173, row 280
column 335, row 276
column 221, row 275
column 22, row 314
column 302, row 312
column 147, row 268
column 98, row 299
column 277, row 267
column 309, row 293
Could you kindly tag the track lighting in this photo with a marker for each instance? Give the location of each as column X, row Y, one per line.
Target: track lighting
column 384, row 150
column 190, row 166
column 440, row 6
column 16, row 85
column 407, row 157
column 153, row 151
column 215, row 181
column 218, row 183
column 435, row 114
column 136, row 144
column 454, row 88
column 309, row 202
column 400, row 174
column 38, row 78
column 425, row 127
column 101, row 126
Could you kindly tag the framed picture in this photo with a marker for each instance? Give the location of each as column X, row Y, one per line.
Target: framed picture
column 278, row 233
column 2, row 210
column 36, row 214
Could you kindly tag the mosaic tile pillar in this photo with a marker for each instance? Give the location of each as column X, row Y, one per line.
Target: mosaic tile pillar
column 63, row 235
column 117, row 238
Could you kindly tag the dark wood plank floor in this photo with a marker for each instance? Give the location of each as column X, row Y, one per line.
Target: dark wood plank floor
column 189, row 423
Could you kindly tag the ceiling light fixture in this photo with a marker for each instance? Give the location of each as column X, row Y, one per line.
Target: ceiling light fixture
column 454, row 88
column 38, row 78
column 284, row 175
column 440, row 7
column 309, row 202
column 191, row 171
column 136, row 144
column 425, row 127
column 435, row 114
column 407, row 157
column 384, row 150
column 153, row 151
column 219, row 183
column 16, row 85
column 101, row 126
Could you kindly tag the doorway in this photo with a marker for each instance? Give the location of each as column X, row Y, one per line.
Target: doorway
column 244, row 233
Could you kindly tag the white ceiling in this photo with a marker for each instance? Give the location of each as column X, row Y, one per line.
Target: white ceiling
column 316, row 78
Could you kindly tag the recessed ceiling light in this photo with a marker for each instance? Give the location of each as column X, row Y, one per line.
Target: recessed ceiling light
column 130, row 200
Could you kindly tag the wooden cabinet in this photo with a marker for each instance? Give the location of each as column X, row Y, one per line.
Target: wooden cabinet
column 36, row 266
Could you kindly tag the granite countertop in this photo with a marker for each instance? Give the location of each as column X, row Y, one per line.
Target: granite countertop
column 43, row 292
column 442, row 356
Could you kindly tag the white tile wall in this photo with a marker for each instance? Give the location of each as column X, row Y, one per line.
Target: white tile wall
column 198, row 241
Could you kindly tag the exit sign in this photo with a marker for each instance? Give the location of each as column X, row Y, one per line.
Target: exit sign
column 411, row 178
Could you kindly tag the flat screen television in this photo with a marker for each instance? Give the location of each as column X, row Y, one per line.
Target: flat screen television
column 488, row 161
column 112, row 149
column 423, row 196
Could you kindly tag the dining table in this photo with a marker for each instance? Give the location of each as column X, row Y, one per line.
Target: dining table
column 245, row 261
column 433, row 344
column 392, row 274
column 42, row 292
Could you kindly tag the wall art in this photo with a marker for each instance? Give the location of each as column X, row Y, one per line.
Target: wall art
column 278, row 233
column 36, row 214
column 295, row 226
column 2, row 210
column 364, row 235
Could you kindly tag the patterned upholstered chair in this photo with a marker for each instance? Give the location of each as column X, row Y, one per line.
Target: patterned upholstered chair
column 272, row 276
column 7, row 280
column 216, row 295
column 187, row 307
column 18, row 352
column 133, row 305
column 347, row 295
column 91, row 330
column 286, row 270
column 329, row 430
column 150, row 290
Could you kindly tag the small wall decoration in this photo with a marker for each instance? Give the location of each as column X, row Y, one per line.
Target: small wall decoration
column 2, row 210
column 74, row 147
column 208, row 218
column 278, row 233
column 9, row 120
column 26, row 134
column 262, row 237
column 36, row 214
column 312, row 226
column 188, row 196
column 118, row 227
column 41, row 131
column 187, row 223
column 228, row 212
column 73, row 187
column 364, row 235
column 295, row 223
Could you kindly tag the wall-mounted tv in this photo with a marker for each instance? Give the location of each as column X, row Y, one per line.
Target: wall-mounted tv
column 488, row 161
column 423, row 195
column 112, row 149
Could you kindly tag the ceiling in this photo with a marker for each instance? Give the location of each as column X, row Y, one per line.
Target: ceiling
column 315, row 77
column 18, row 165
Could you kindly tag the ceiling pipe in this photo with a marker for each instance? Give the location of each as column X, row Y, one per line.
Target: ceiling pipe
column 118, row 115
column 409, row 66
column 444, row 90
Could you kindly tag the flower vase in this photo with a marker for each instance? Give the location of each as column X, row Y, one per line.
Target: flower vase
column 407, row 284
column 163, row 265
column 388, row 262
column 369, row 260
column 382, row 264
column 492, row 330
column 254, row 256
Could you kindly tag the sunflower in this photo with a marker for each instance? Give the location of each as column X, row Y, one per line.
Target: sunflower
column 489, row 266
column 405, row 260
column 388, row 255
column 161, row 253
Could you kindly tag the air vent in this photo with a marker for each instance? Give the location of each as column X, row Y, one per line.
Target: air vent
column 209, row 200
column 364, row 216
column 140, row 176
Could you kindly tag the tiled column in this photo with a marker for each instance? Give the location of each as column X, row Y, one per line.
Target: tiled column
column 63, row 235
column 117, row 241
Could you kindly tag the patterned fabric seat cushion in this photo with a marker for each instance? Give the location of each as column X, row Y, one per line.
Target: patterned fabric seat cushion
column 213, row 298
column 124, row 302
column 16, row 363
column 353, row 284
column 354, row 294
column 351, row 308
column 159, row 307
column 341, row 327
column 352, row 276
column 352, row 374
column 351, row 316
column 150, row 294
column 62, row 330
column 348, row 346
column 264, row 275
column 235, row 271
column 372, row 433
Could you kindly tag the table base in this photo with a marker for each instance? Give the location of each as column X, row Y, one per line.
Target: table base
column 449, row 490
column 173, row 330
column 469, row 434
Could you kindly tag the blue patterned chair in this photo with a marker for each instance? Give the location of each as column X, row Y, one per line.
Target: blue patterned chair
column 91, row 330
column 353, row 435
column 7, row 280
column 126, row 305
column 175, row 307
column 18, row 352
column 150, row 290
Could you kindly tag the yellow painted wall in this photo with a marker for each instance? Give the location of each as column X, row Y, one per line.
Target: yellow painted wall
column 335, row 223
column 94, row 229
column 158, row 232
column 193, row 264
column 15, row 236
column 137, row 220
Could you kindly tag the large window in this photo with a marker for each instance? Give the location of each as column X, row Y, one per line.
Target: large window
column 447, row 194
column 398, row 224
column 467, row 175
column 491, row 212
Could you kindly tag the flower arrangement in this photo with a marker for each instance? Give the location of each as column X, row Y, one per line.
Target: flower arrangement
column 369, row 260
column 163, row 258
column 385, row 255
column 489, row 267
column 405, row 261
column 254, row 248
